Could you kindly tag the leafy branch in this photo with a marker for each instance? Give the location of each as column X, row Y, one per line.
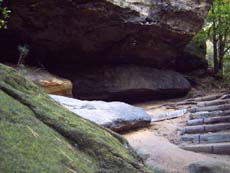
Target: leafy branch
column 217, row 30
column 4, row 15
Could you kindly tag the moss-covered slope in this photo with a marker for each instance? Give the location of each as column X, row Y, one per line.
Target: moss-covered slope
column 38, row 135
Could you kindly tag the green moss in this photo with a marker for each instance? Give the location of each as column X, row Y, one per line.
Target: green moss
column 39, row 135
column 28, row 145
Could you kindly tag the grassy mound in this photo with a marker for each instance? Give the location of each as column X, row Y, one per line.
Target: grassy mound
column 38, row 135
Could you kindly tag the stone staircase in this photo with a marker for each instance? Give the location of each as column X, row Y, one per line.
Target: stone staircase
column 208, row 128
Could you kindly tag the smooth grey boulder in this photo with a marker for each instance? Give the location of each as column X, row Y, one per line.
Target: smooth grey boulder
column 127, row 83
column 117, row 116
column 209, row 167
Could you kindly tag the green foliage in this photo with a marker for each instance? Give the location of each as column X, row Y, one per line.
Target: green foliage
column 220, row 14
column 23, row 53
column 23, row 50
column 217, row 30
column 202, row 36
column 4, row 15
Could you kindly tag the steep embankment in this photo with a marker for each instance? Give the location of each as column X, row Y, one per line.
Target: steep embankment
column 39, row 135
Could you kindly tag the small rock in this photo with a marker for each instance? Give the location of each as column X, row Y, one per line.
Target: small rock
column 52, row 84
column 209, row 167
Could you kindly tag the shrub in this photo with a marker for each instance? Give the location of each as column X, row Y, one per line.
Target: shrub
column 4, row 15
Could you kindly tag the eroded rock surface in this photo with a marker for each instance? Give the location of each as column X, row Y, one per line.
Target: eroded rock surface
column 75, row 34
column 52, row 84
column 149, row 32
column 127, row 83
column 117, row 116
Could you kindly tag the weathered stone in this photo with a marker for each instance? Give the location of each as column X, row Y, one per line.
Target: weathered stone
column 117, row 116
column 209, row 167
column 38, row 135
column 149, row 32
column 192, row 58
column 52, row 84
column 215, row 148
column 126, row 83
column 77, row 34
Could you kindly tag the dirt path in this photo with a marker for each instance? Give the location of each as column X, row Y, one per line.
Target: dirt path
column 158, row 144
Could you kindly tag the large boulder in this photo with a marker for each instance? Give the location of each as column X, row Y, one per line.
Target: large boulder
column 38, row 135
column 149, row 32
column 117, row 116
column 126, row 83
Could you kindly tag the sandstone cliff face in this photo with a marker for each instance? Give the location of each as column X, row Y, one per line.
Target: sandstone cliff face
column 148, row 32
column 89, row 34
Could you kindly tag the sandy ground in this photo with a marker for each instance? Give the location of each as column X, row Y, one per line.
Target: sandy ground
column 158, row 144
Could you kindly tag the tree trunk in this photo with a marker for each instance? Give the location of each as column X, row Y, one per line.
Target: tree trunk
column 214, row 41
column 221, row 54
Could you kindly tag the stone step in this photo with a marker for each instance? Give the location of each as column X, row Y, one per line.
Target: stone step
column 206, row 138
column 207, row 114
column 213, row 102
column 210, row 108
column 206, row 128
column 217, row 148
column 208, row 98
column 212, row 120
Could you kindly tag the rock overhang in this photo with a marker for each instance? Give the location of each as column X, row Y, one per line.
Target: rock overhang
column 109, row 31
